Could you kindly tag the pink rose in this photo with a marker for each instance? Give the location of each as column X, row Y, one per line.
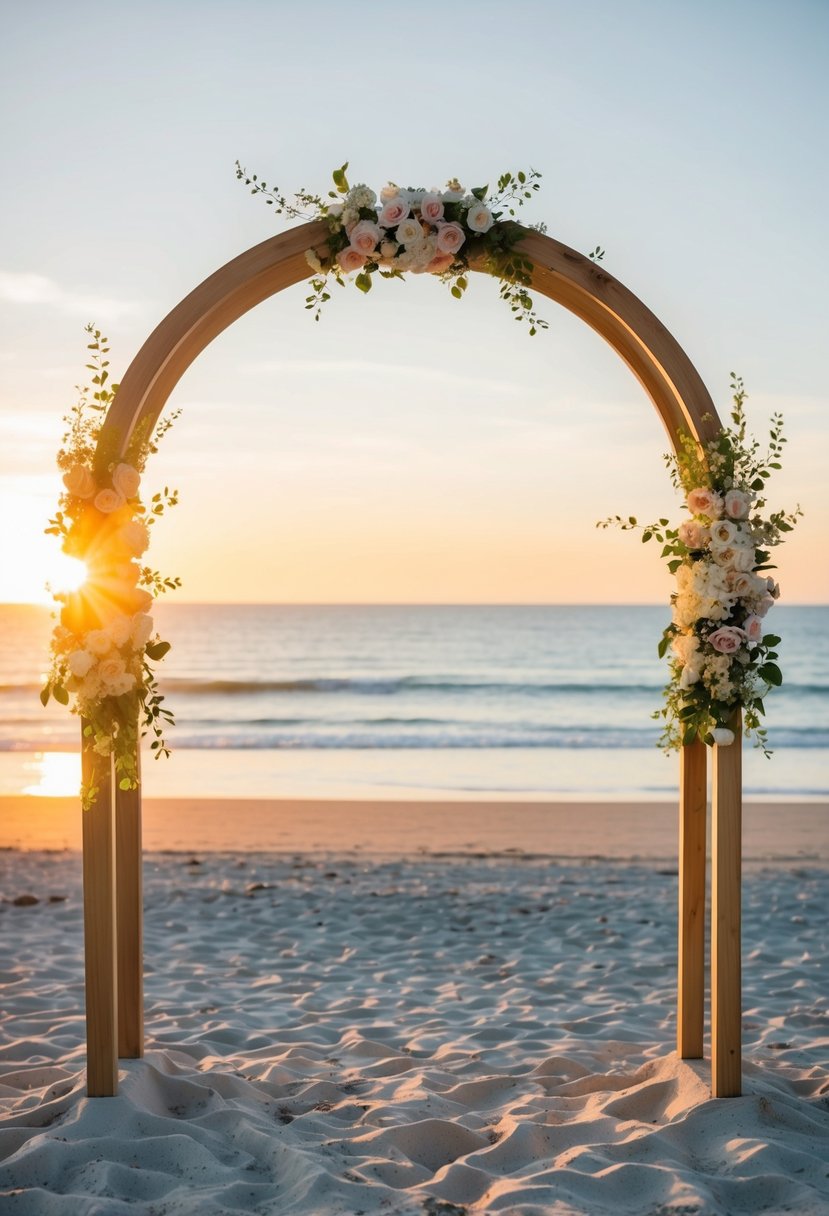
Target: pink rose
column 753, row 629
column 108, row 501
column 440, row 262
column 737, row 504
column 431, row 208
column 693, row 534
column 395, row 210
column 126, row 480
column 450, row 238
column 703, row 501
column 479, row 218
column 727, row 639
column 763, row 606
column 350, row 259
column 740, row 583
column 365, row 236
column 79, row 481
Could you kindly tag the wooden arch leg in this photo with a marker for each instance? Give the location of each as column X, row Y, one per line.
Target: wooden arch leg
column 99, row 930
column 726, row 843
column 129, row 901
column 693, row 795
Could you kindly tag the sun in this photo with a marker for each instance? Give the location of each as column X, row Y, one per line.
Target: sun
column 30, row 562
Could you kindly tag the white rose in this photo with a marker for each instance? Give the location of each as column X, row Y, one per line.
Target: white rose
column 109, row 670
column 388, row 249
column 79, row 481
column 724, row 532
column 409, row 231
column 722, row 737
column 689, row 676
column 80, row 662
column 313, row 261
column 479, row 218
column 142, row 628
column 126, row 480
column 98, row 642
column 119, row 629
column 335, row 210
column 737, row 504
column 136, row 536
column 121, row 684
column 743, row 560
column 107, row 501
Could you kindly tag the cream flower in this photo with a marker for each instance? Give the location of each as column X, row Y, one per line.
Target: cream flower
column 737, row 504
column 136, row 536
column 98, row 642
column 722, row 737
column 126, row 480
column 479, row 218
column 79, row 481
column 142, row 628
column 107, row 501
column 110, row 668
column 80, row 663
column 119, row 629
column 409, row 231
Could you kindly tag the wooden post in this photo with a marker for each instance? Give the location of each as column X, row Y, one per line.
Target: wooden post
column 726, row 846
column 693, row 795
column 99, row 929
column 129, row 901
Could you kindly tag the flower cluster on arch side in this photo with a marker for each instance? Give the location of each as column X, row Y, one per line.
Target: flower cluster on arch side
column 418, row 231
column 105, row 637
column 721, row 656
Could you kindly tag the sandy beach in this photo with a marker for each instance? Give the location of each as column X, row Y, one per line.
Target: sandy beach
column 412, row 1009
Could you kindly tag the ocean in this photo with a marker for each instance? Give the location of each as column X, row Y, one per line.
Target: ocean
column 414, row 702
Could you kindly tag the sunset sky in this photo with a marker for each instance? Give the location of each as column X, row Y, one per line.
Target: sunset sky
column 409, row 447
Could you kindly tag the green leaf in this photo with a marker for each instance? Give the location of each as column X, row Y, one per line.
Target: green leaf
column 60, row 694
column 157, row 650
column 45, row 694
column 771, row 673
column 771, row 639
column 125, row 784
column 363, row 282
column 662, row 648
column 340, row 180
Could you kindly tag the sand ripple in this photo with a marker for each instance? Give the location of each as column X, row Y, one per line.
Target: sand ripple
column 417, row 1038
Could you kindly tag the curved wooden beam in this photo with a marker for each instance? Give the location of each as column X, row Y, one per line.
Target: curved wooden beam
column 563, row 275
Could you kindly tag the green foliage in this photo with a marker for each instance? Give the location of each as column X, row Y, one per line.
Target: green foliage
column 718, row 663
column 495, row 250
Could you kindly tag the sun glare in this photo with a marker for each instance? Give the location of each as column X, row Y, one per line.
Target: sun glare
column 30, row 562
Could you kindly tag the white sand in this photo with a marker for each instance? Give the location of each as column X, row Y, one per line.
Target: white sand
column 418, row 1037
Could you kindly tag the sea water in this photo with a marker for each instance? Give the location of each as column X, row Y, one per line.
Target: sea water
column 414, row 701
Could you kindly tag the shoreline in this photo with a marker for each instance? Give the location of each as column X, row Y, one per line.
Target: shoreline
column 781, row 831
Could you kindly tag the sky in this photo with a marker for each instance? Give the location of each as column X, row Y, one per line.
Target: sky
column 409, row 447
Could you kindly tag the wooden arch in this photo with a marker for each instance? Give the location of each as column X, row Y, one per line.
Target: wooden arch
column 112, row 828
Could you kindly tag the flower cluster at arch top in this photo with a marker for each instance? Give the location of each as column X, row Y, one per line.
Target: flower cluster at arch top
column 105, row 638
column 414, row 230
column 722, row 658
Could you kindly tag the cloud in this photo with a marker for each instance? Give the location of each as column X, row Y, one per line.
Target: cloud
column 18, row 287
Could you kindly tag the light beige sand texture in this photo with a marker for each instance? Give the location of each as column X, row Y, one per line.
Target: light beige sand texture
column 411, row 1036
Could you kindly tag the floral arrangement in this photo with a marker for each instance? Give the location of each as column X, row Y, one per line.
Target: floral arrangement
column 105, row 641
column 422, row 231
column 722, row 657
